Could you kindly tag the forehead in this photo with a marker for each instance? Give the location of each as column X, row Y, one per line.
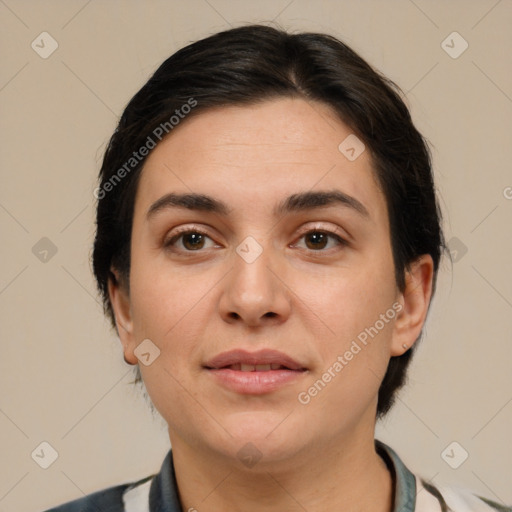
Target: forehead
column 262, row 151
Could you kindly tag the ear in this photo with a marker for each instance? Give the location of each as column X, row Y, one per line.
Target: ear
column 122, row 311
column 415, row 300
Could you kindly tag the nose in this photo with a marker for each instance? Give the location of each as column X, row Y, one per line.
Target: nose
column 255, row 292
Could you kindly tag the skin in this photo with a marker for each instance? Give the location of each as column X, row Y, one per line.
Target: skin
column 194, row 305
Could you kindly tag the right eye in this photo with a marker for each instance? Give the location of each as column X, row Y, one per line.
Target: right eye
column 192, row 240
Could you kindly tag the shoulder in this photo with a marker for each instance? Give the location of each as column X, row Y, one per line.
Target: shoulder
column 111, row 499
column 453, row 499
column 415, row 494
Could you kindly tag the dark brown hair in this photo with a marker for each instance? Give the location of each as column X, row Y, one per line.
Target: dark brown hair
column 255, row 63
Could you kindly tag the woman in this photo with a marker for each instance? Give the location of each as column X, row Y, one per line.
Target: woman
column 267, row 247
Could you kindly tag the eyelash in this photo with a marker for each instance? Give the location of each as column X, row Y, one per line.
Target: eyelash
column 181, row 232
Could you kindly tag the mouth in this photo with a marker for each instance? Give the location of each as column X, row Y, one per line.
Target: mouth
column 254, row 373
column 242, row 367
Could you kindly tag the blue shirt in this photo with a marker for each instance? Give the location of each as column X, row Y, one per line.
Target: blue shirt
column 159, row 493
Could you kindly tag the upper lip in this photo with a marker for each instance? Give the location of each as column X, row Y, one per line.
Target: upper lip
column 264, row 356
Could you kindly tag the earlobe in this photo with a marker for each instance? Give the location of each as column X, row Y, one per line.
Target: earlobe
column 415, row 299
column 122, row 311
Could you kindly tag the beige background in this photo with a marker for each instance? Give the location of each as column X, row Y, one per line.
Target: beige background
column 62, row 376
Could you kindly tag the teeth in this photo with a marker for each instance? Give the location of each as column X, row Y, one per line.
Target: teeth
column 255, row 367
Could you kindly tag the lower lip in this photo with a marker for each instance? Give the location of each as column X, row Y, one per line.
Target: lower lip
column 255, row 383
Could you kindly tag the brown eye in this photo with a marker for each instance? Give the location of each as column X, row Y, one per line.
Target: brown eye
column 191, row 240
column 317, row 240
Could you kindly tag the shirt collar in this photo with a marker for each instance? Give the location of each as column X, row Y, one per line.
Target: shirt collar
column 163, row 496
column 405, row 481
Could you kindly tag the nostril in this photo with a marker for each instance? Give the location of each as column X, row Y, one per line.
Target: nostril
column 236, row 316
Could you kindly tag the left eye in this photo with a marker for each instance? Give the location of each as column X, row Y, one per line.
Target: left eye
column 319, row 239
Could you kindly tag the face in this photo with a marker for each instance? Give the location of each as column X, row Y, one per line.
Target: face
column 275, row 316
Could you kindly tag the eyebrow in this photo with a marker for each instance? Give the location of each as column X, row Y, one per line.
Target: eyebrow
column 295, row 203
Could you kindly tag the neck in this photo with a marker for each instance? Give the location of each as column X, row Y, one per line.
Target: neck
column 351, row 476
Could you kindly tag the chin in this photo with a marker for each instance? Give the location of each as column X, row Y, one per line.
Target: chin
column 258, row 424
column 272, row 433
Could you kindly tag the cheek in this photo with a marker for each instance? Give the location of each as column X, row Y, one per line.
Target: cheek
column 161, row 297
column 167, row 310
column 355, row 353
column 355, row 298
column 163, row 311
column 358, row 308
column 172, row 308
